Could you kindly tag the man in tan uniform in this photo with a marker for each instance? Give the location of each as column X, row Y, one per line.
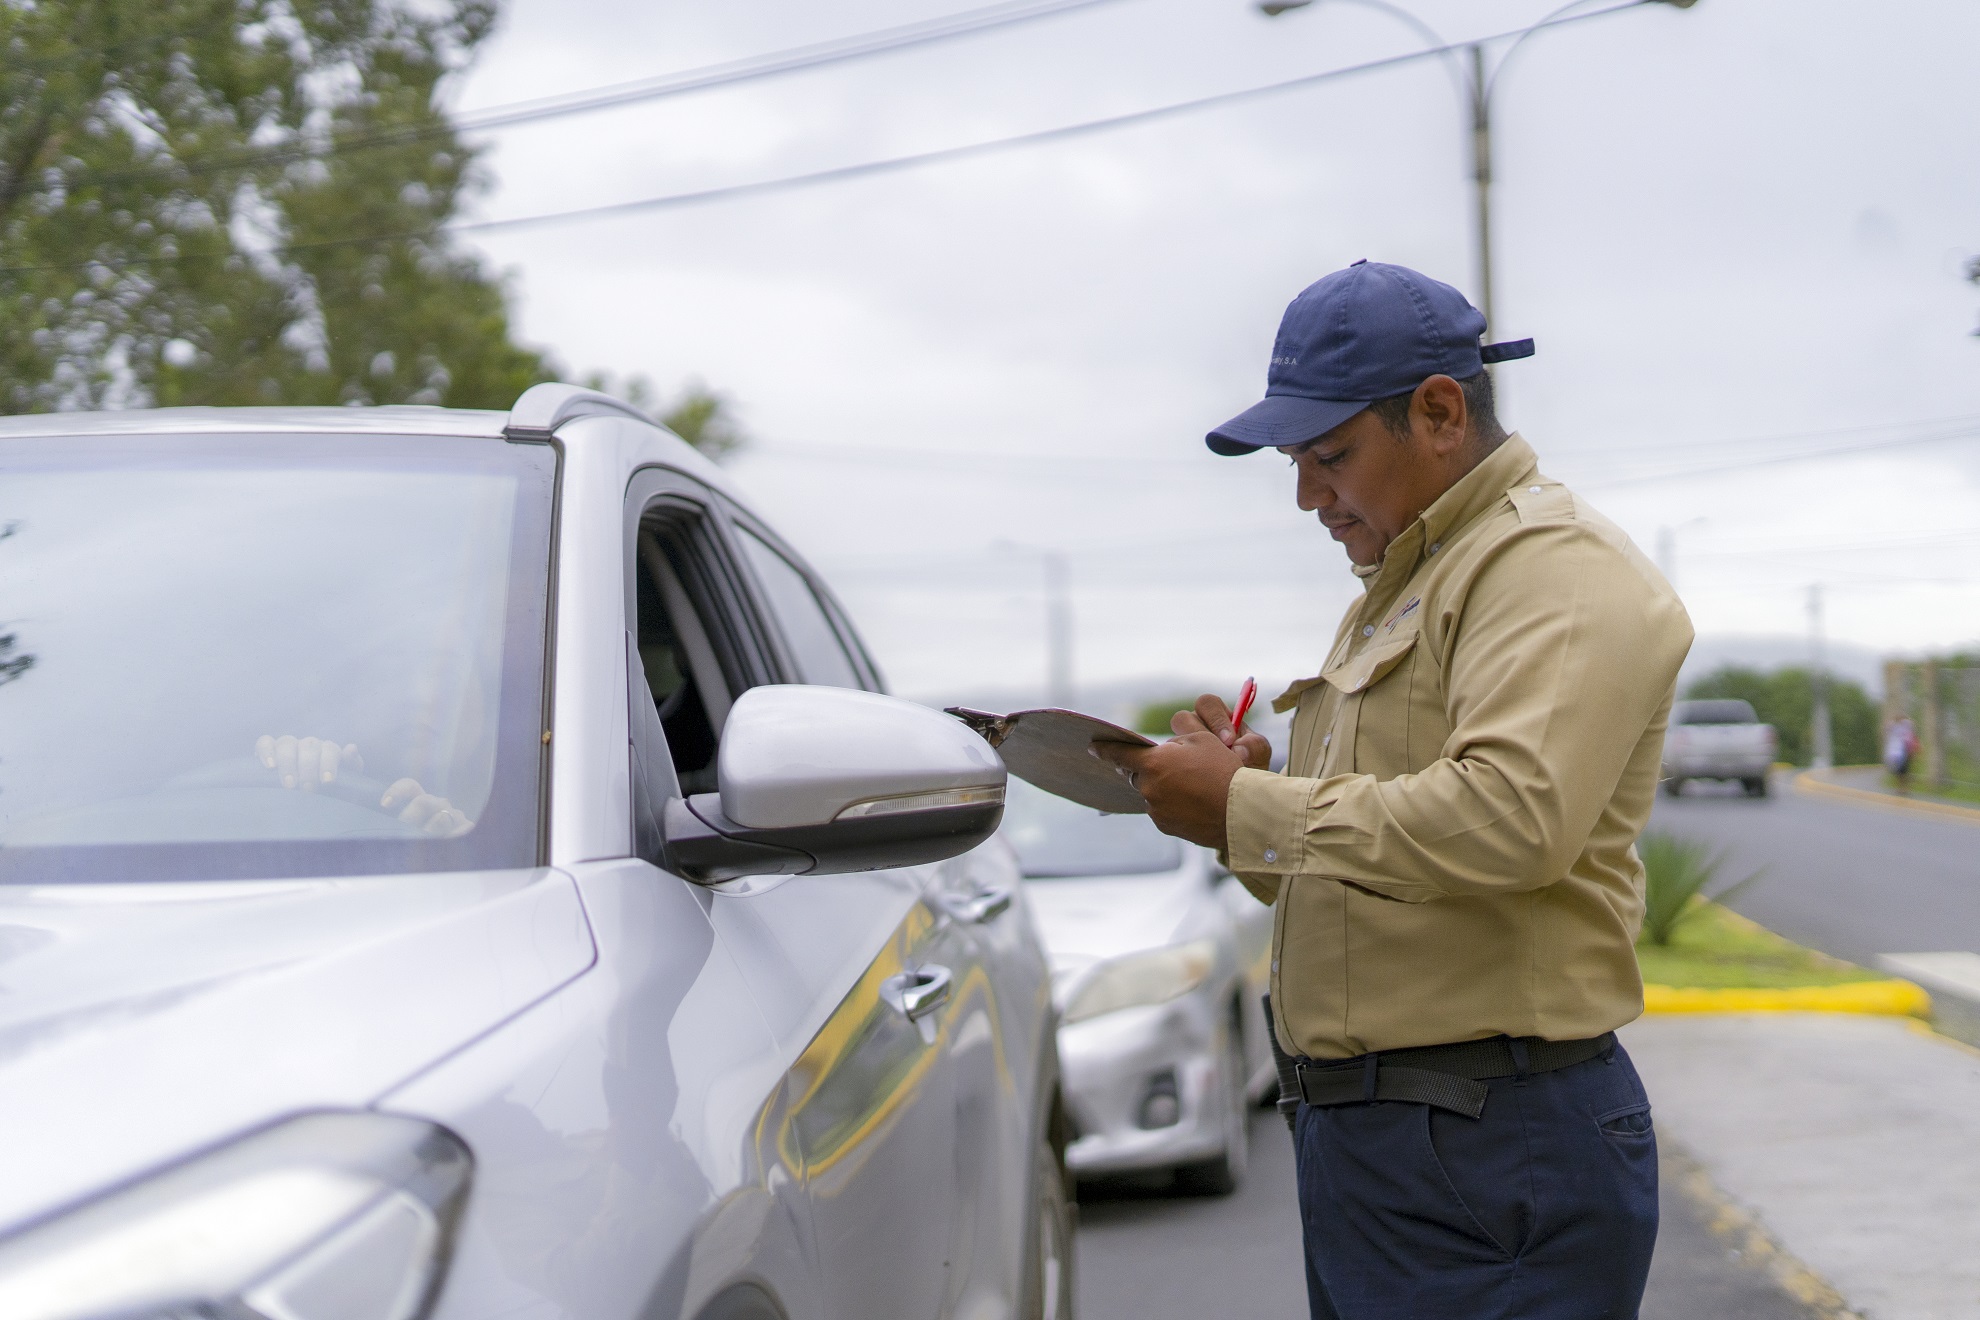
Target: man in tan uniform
column 1450, row 852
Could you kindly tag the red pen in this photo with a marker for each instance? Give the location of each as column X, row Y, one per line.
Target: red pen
column 1246, row 695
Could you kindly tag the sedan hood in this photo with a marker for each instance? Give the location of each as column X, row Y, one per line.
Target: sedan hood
column 1089, row 919
column 141, row 1022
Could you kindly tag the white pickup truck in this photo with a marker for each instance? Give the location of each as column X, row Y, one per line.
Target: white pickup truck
column 1718, row 739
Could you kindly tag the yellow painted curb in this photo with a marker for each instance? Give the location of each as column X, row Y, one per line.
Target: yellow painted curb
column 1812, row 783
column 1887, row 998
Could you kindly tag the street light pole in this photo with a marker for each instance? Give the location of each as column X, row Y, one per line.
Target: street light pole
column 1822, row 734
column 1477, row 87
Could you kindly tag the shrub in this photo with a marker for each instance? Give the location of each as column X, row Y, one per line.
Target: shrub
column 1153, row 718
column 1677, row 871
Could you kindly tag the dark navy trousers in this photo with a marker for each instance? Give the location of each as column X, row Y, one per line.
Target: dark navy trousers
column 1542, row 1208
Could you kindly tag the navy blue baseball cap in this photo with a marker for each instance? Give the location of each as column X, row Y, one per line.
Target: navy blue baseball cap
column 1361, row 334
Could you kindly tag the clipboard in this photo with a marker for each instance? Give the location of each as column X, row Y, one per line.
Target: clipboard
column 1051, row 749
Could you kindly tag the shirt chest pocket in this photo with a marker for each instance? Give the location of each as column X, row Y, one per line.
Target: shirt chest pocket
column 1376, row 691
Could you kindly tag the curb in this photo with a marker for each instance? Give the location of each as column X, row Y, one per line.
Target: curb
column 1747, row 1237
column 1811, row 783
column 1883, row 998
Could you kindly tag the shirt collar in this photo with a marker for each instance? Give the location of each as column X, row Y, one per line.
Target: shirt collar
column 1479, row 489
column 1473, row 494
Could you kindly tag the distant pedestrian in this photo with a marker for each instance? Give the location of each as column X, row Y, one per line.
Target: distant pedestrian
column 1900, row 746
column 1450, row 849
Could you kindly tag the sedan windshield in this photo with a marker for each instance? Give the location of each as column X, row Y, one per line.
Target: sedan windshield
column 232, row 657
column 1057, row 839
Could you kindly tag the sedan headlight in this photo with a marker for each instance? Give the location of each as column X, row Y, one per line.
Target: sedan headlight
column 1152, row 977
column 337, row 1216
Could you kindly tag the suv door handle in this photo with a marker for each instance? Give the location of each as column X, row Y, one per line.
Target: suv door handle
column 919, row 992
column 986, row 906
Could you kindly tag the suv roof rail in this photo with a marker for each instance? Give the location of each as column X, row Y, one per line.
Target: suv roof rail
column 544, row 408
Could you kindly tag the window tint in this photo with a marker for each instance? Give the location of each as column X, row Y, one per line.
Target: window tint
column 1714, row 712
column 821, row 656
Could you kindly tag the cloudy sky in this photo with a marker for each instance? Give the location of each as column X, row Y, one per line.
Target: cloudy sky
column 1737, row 233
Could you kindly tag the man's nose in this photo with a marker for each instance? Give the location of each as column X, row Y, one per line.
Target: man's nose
column 1314, row 493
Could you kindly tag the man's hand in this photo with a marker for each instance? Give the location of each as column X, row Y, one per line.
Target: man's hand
column 434, row 815
column 306, row 762
column 1213, row 715
column 1187, row 780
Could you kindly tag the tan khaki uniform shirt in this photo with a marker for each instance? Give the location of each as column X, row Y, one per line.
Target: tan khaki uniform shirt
column 1451, row 852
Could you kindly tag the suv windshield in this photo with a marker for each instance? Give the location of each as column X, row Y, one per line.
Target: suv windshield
column 1714, row 712
column 1061, row 840
column 265, row 656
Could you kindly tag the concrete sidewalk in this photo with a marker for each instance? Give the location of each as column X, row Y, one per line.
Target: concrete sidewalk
column 1853, row 1141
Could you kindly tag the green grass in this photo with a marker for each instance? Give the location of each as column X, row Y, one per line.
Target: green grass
column 1718, row 949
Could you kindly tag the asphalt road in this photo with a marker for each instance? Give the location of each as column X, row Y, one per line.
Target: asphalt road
column 1853, row 881
column 1147, row 1255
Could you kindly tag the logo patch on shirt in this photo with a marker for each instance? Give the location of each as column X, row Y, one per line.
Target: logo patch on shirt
column 1402, row 614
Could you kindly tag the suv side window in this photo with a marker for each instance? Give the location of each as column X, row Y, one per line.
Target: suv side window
column 690, row 638
column 816, row 647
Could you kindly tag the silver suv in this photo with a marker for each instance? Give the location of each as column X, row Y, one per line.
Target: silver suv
column 463, row 865
column 1720, row 738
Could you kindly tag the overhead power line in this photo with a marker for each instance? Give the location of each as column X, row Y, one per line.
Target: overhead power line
column 1024, row 463
column 1771, row 460
column 862, row 169
column 795, row 59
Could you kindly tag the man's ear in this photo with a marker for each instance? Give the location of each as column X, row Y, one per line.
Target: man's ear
column 1440, row 411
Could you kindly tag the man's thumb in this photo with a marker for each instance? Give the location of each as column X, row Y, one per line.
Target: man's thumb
column 1216, row 717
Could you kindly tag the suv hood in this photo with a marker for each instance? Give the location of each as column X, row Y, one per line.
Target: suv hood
column 141, row 1022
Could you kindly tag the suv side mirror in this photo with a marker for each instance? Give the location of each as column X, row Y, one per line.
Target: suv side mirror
column 820, row 781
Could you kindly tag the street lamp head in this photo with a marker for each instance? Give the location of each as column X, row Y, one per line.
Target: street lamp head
column 1678, row 4
column 1273, row 8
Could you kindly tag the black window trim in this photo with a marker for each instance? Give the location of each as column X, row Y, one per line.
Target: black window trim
column 746, row 651
column 720, row 574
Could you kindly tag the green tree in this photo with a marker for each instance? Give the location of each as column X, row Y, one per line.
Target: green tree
column 1153, row 718
column 1785, row 698
column 174, row 227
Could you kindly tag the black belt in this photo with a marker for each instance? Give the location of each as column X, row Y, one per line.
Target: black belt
column 1449, row 1077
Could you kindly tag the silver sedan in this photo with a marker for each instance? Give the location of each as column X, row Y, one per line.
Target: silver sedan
column 1159, row 961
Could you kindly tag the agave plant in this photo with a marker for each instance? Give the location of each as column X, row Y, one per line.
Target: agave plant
column 1677, row 871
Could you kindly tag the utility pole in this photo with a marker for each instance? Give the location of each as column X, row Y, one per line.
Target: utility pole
column 1821, row 735
column 1477, row 88
column 1667, row 547
column 1059, row 689
column 1481, row 175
